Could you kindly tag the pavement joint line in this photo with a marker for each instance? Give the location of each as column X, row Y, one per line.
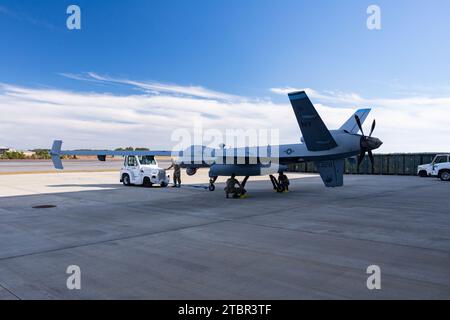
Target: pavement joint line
column 142, row 235
column 262, row 252
column 225, row 244
column 323, row 263
column 10, row 292
column 108, row 240
column 168, row 231
column 240, row 220
column 130, row 205
column 232, row 220
column 345, row 237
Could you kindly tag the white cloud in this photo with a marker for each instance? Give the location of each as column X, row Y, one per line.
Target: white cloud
column 406, row 124
column 156, row 87
column 33, row 117
column 286, row 90
column 96, row 120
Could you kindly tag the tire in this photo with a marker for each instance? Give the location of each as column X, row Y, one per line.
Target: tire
column 423, row 174
column 163, row 184
column 126, row 180
column 444, row 175
column 147, row 182
column 211, row 187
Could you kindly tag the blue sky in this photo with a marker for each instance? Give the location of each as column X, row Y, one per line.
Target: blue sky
column 240, row 48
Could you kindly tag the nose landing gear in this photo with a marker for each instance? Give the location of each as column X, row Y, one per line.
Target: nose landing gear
column 211, row 186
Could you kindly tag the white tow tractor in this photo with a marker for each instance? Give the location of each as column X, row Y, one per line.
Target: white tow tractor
column 440, row 167
column 143, row 170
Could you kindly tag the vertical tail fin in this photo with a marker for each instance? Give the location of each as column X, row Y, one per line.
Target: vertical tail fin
column 316, row 135
column 350, row 125
column 55, row 153
column 331, row 172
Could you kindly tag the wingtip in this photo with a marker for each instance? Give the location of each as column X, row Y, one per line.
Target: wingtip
column 296, row 95
column 56, row 147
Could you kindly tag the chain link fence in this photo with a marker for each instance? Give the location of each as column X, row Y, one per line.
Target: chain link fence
column 386, row 164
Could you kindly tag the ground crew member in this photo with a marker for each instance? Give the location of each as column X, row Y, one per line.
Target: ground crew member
column 176, row 174
column 231, row 187
column 283, row 181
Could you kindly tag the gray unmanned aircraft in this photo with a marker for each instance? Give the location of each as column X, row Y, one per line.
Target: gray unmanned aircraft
column 328, row 149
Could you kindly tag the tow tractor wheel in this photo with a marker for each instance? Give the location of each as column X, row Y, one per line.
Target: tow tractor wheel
column 423, row 174
column 126, row 180
column 212, row 187
column 163, row 184
column 147, row 183
column 445, row 176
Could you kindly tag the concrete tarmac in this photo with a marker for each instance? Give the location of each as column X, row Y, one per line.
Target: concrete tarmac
column 189, row 243
column 34, row 166
column 46, row 166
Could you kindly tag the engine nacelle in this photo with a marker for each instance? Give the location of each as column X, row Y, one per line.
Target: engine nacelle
column 191, row 171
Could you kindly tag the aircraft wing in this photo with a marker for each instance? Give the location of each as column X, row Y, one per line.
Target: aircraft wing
column 56, row 153
column 316, row 135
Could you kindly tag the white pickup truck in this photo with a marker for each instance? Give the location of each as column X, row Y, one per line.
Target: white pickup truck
column 440, row 167
column 143, row 170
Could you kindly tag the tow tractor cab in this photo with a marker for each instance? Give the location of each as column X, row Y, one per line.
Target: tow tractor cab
column 143, row 170
column 440, row 167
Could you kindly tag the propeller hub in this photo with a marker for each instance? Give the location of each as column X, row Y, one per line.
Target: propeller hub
column 370, row 143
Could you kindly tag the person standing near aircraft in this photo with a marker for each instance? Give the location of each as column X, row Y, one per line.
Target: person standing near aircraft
column 176, row 174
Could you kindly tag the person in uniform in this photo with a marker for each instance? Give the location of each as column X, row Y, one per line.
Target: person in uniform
column 231, row 187
column 176, row 174
column 283, row 181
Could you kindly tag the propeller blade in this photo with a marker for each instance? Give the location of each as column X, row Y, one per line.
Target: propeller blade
column 372, row 159
column 361, row 158
column 373, row 127
column 358, row 122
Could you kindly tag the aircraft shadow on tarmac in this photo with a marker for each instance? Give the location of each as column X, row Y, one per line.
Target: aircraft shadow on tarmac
column 95, row 185
column 199, row 186
column 120, row 186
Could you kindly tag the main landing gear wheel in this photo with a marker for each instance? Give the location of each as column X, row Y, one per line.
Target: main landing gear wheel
column 211, row 186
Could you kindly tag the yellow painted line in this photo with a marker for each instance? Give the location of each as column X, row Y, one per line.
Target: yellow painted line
column 54, row 171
